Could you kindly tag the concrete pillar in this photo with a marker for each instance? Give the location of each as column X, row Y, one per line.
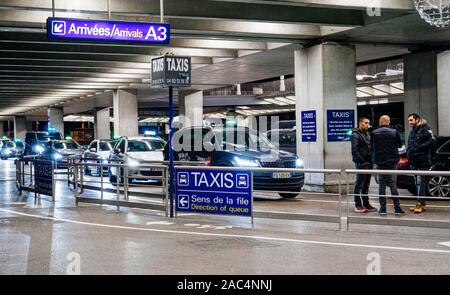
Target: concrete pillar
column 443, row 79
column 125, row 113
column 190, row 105
column 29, row 125
column 56, row 119
column 2, row 129
column 420, row 75
column 102, row 127
column 325, row 79
column 238, row 89
column 20, row 128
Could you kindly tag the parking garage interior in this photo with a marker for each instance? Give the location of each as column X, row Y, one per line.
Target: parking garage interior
column 251, row 61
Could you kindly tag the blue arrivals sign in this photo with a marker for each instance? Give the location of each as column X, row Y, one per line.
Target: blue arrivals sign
column 107, row 30
column 340, row 124
column 214, row 192
column 309, row 126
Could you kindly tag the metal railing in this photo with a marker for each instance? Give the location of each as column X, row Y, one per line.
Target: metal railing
column 123, row 188
column 394, row 221
column 26, row 178
column 124, row 176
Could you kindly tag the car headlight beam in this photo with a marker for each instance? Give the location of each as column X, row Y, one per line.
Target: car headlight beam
column 57, row 156
column 300, row 163
column 133, row 163
column 246, row 162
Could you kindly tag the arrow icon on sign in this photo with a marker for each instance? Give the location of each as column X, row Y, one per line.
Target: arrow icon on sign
column 183, row 202
column 58, row 28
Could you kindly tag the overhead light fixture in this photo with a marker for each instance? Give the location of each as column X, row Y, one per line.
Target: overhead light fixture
column 285, row 100
column 271, row 100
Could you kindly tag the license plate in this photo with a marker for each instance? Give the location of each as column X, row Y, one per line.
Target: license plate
column 279, row 175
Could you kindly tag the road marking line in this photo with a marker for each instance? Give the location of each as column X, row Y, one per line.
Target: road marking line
column 192, row 224
column 159, row 223
column 264, row 238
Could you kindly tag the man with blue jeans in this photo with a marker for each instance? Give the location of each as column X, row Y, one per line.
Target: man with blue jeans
column 385, row 144
column 420, row 145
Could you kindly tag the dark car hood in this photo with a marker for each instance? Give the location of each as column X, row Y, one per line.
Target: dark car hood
column 264, row 156
column 70, row 152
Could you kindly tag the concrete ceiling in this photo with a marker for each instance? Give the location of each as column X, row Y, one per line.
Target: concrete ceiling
column 231, row 42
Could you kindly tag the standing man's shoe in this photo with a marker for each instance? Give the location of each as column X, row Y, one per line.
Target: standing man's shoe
column 370, row 208
column 399, row 211
column 418, row 209
column 360, row 209
column 382, row 211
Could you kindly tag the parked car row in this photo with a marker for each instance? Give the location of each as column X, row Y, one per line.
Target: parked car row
column 11, row 149
column 250, row 151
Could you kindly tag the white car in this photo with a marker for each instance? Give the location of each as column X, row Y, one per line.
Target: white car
column 98, row 151
column 136, row 152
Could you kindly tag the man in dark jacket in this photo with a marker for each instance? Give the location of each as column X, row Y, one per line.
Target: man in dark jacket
column 385, row 144
column 420, row 146
column 362, row 157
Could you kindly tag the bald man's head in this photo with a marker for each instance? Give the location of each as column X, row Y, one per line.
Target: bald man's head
column 385, row 120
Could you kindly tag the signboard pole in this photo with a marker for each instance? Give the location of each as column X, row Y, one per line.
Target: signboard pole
column 171, row 168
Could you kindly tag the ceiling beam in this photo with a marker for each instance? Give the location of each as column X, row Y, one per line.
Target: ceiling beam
column 201, row 9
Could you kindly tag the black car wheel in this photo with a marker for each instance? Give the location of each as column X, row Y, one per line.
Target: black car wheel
column 439, row 186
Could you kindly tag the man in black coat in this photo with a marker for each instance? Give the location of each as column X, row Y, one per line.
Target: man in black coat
column 420, row 146
column 385, row 144
column 362, row 157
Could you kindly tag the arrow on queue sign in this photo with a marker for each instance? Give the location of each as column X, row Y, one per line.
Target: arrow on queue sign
column 183, row 201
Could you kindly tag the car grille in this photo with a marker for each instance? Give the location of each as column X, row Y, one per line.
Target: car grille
column 279, row 164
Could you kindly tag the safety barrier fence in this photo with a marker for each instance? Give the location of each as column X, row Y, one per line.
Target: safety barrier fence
column 123, row 187
column 27, row 180
column 121, row 176
column 403, row 221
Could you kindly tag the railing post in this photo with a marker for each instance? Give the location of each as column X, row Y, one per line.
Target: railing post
column 117, row 186
column 101, row 182
column 348, row 201
column 340, row 200
column 81, row 177
column 166, row 190
column 125, row 180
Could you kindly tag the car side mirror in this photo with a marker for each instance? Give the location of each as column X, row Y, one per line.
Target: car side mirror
column 93, row 150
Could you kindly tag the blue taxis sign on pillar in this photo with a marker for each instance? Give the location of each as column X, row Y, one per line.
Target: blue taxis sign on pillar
column 218, row 192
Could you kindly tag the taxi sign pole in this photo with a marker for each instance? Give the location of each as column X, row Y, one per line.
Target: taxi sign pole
column 171, row 168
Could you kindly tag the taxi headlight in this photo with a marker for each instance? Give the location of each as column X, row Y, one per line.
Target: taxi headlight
column 39, row 149
column 133, row 163
column 57, row 156
column 300, row 163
